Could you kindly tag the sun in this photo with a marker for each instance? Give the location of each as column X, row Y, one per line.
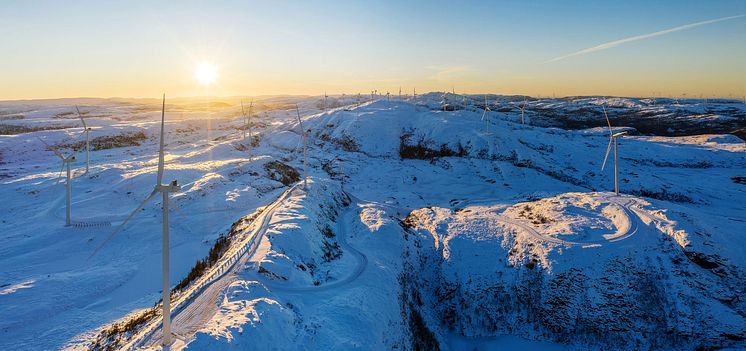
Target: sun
column 206, row 73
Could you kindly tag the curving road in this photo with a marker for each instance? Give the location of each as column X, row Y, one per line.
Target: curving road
column 195, row 307
column 343, row 229
column 633, row 219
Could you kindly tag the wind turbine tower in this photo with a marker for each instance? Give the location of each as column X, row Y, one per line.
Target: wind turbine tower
column 305, row 140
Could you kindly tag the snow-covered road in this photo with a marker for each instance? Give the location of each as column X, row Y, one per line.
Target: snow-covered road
column 196, row 305
column 343, row 225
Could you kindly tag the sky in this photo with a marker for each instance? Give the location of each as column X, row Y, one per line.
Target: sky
column 54, row 49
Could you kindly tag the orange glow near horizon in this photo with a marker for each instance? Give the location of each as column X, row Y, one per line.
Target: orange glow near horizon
column 538, row 48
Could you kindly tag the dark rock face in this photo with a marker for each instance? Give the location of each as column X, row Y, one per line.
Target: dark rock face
column 281, row 172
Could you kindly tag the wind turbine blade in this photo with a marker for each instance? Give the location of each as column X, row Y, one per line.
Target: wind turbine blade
column 61, row 169
column 121, row 226
column 49, row 147
column 608, row 149
column 299, row 120
column 607, row 120
column 160, row 151
column 81, row 118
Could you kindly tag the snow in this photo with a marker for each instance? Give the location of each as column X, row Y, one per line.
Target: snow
column 331, row 267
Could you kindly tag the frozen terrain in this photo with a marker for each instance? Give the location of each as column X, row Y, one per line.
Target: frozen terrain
column 424, row 225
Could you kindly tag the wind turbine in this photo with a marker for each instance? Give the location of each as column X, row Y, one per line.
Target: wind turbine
column 165, row 190
column 305, row 167
column 484, row 114
column 522, row 108
column 247, row 123
column 325, row 96
column 66, row 161
column 399, row 93
column 243, row 113
column 87, row 143
column 414, row 94
column 613, row 138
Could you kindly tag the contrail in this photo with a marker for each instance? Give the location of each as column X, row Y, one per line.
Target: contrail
column 616, row 43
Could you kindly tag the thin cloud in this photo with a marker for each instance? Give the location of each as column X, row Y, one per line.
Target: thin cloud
column 616, row 43
column 447, row 73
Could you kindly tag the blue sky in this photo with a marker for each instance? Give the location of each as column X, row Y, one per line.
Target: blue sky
column 108, row 48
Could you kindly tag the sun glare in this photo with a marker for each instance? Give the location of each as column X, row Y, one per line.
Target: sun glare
column 206, row 73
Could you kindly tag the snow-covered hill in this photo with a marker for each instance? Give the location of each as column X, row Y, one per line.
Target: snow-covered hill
column 421, row 227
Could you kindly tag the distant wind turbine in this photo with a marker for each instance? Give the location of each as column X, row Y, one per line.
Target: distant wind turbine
column 66, row 161
column 247, row 124
column 613, row 138
column 523, row 108
column 484, row 114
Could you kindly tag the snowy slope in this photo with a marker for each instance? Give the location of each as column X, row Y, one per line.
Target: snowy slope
column 344, row 265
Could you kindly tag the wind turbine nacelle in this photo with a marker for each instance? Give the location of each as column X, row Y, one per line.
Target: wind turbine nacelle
column 170, row 188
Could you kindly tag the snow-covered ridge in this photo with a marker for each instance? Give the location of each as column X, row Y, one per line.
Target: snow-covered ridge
column 502, row 210
column 301, row 245
column 578, row 268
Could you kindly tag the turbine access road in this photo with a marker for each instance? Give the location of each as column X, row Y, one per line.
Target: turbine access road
column 196, row 306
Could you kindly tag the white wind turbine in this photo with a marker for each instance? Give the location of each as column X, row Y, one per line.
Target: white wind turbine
column 325, row 96
column 305, row 166
column 247, row 121
column 87, row 142
column 613, row 138
column 523, row 108
column 66, row 161
column 243, row 114
column 165, row 190
column 484, row 114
